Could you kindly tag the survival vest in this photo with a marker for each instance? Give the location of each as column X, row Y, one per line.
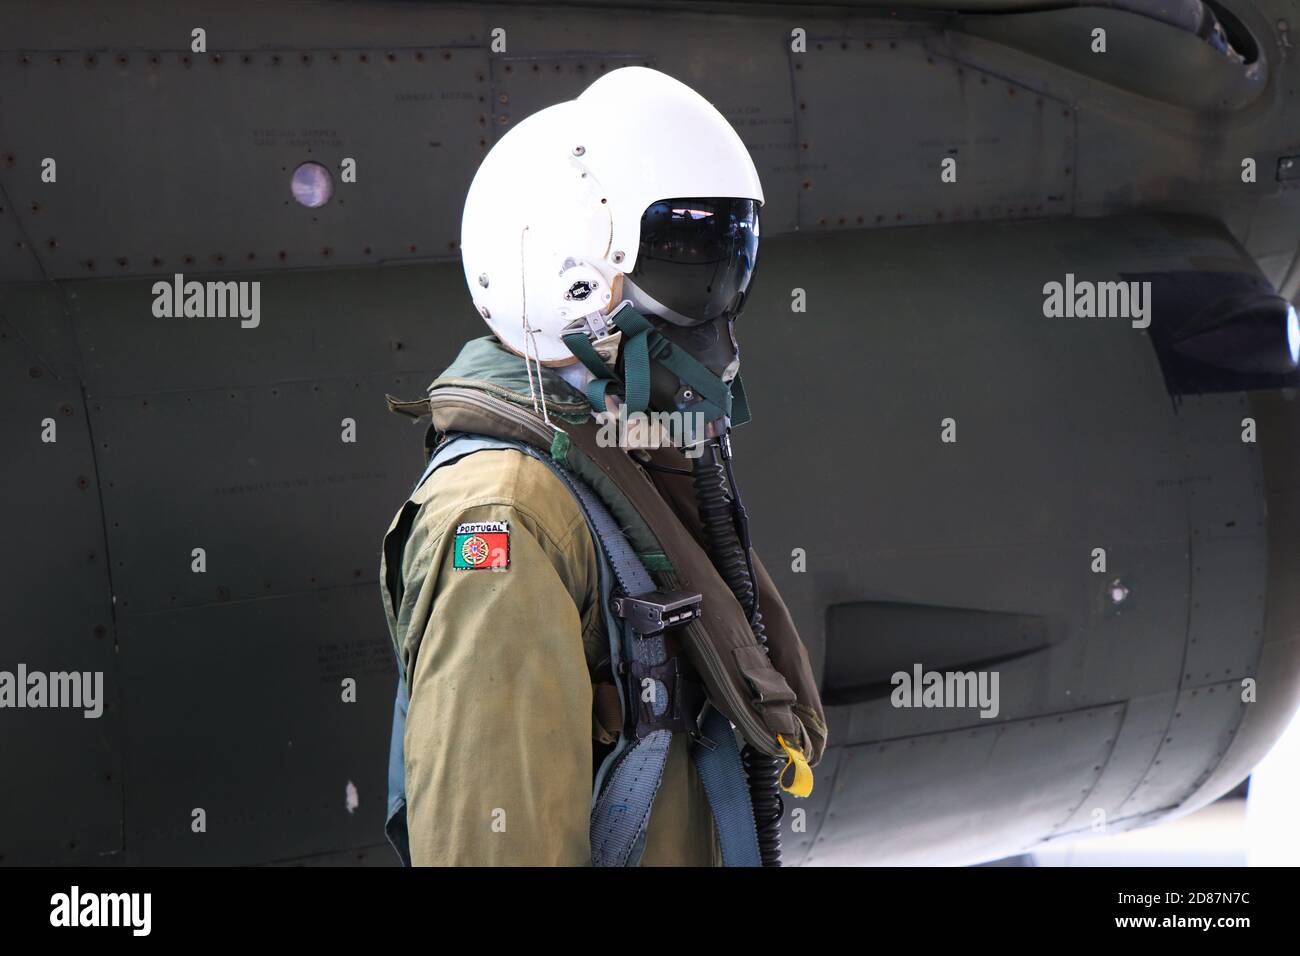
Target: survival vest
column 655, row 576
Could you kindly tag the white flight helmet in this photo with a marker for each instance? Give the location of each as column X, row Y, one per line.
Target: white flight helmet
column 554, row 213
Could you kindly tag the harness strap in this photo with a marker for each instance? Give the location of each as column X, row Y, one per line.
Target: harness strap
column 395, row 828
column 622, row 809
column 727, row 787
column 641, row 342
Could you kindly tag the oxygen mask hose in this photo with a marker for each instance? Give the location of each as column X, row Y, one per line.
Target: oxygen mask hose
column 726, row 535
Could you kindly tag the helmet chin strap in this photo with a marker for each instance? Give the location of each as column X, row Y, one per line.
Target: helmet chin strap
column 714, row 398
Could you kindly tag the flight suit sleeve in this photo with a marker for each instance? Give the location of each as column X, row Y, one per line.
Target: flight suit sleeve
column 499, row 731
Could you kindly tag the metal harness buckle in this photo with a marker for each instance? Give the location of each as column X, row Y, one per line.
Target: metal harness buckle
column 656, row 611
column 648, row 616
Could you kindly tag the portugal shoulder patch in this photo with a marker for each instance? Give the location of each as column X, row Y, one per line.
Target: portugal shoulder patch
column 482, row 545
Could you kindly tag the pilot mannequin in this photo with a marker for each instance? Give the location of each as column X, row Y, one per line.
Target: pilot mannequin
column 610, row 267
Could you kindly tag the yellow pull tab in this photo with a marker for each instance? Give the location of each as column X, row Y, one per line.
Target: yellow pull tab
column 802, row 784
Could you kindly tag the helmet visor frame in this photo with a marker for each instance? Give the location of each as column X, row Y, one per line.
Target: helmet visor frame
column 696, row 258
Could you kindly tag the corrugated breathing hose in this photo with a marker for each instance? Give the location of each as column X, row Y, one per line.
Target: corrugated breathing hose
column 726, row 532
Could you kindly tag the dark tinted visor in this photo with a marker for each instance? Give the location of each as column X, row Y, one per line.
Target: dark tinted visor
column 697, row 257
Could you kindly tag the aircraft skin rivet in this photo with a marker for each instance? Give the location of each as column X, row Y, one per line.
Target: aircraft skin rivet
column 617, row 257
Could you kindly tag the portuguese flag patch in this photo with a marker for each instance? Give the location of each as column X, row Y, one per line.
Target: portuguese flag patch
column 482, row 545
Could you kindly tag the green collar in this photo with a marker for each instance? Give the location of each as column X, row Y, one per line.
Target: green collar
column 485, row 364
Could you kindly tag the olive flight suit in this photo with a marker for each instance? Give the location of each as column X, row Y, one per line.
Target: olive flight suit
column 500, row 728
column 502, row 737
column 492, row 596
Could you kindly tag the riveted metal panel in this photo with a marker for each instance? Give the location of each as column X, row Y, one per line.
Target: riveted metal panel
column 1229, row 578
column 805, row 817
column 1278, row 668
column 878, row 112
column 885, row 360
column 259, row 737
column 176, row 130
column 1229, row 547
column 901, row 801
column 1134, row 652
column 1135, row 745
column 313, row 325
column 18, row 261
column 62, row 798
column 1204, row 721
column 1072, row 443
column 312, row 507
column 254, row 469
column 39, row 315
column 1224, row 476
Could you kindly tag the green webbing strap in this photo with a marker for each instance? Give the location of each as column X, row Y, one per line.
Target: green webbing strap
column 605, row 377
column 714, row 394
column 641, row 342
column 581, row 346
column 596, row 390
column 636, row 369
column 637, row 333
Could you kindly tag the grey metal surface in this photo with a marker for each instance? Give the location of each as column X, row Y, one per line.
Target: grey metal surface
column 415, row 124
column 197, row 433
column 1013, row 147
column 396, row 320
column 1279, row 654
column 1045, row 766
column 18, row 262
column 175, row 466
column 1067, row 441
column 853, row 128
column 62, row 798
column 237, row 709
column 1229, row 553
